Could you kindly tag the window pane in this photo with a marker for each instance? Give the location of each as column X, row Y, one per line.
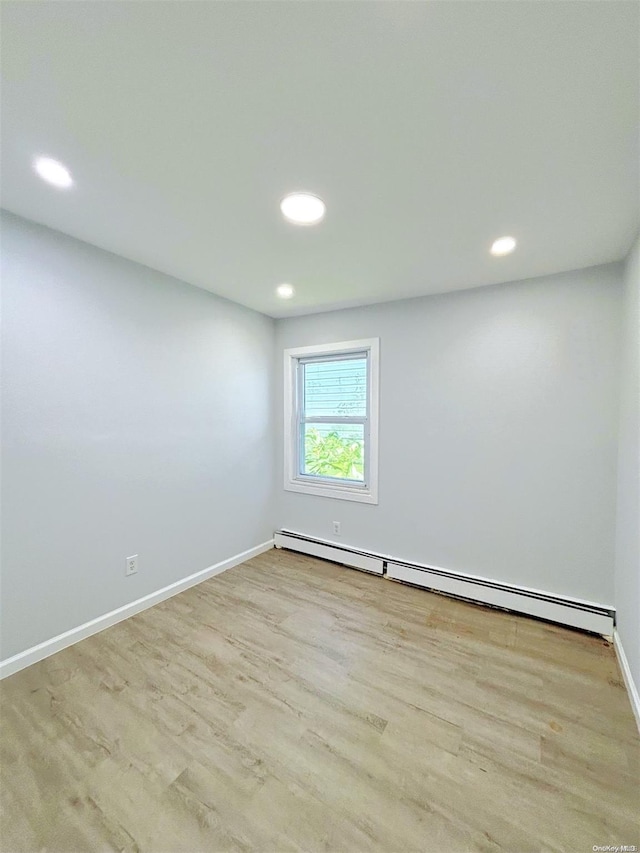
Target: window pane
column 335, row 388
column 334, row 450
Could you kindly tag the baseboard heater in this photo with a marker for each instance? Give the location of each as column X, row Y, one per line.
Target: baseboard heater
column 329, row 551
column 576, row 613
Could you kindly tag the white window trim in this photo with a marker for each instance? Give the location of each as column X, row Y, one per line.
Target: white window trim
column 292, row 481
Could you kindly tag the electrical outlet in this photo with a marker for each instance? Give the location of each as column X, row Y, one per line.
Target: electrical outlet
column 336, row 528
column 132, row 565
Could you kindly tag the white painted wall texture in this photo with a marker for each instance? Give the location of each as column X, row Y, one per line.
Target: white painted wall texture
column 137, row 419
column 627, row 568
column 498, row 431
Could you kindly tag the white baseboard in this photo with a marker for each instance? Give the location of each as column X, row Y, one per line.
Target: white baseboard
column 575, row 612
column 632, row 689
column 56, row 644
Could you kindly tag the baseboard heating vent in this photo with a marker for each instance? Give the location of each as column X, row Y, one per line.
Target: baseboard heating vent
column 554, row 608
column 576, row 613
column 329, row 551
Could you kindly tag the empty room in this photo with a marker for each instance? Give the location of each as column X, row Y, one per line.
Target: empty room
column 320, row 426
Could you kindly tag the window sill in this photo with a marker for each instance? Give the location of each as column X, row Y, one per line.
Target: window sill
column 328, row 490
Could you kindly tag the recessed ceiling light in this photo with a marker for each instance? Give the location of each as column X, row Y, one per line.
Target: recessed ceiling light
column 303, row 208
column 285, row 291
column 503, row 246
column 53, row 172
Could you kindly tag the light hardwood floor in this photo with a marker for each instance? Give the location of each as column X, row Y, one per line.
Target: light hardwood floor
column 291, row 704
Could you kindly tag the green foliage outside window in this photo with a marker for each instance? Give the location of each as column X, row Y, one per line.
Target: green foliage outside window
column 333, row 456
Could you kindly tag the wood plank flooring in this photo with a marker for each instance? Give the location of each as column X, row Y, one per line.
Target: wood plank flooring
column 295, row 705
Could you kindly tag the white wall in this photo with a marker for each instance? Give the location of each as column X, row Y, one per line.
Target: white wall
column 137, row 419
column 498, row 431
column 627, row 571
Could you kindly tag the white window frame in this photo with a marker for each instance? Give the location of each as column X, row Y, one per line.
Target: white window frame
column 294, row 481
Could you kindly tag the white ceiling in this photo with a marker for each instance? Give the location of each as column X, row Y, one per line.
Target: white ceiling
column 429, row 129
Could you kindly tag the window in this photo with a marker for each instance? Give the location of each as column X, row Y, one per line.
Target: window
column 331, row 420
